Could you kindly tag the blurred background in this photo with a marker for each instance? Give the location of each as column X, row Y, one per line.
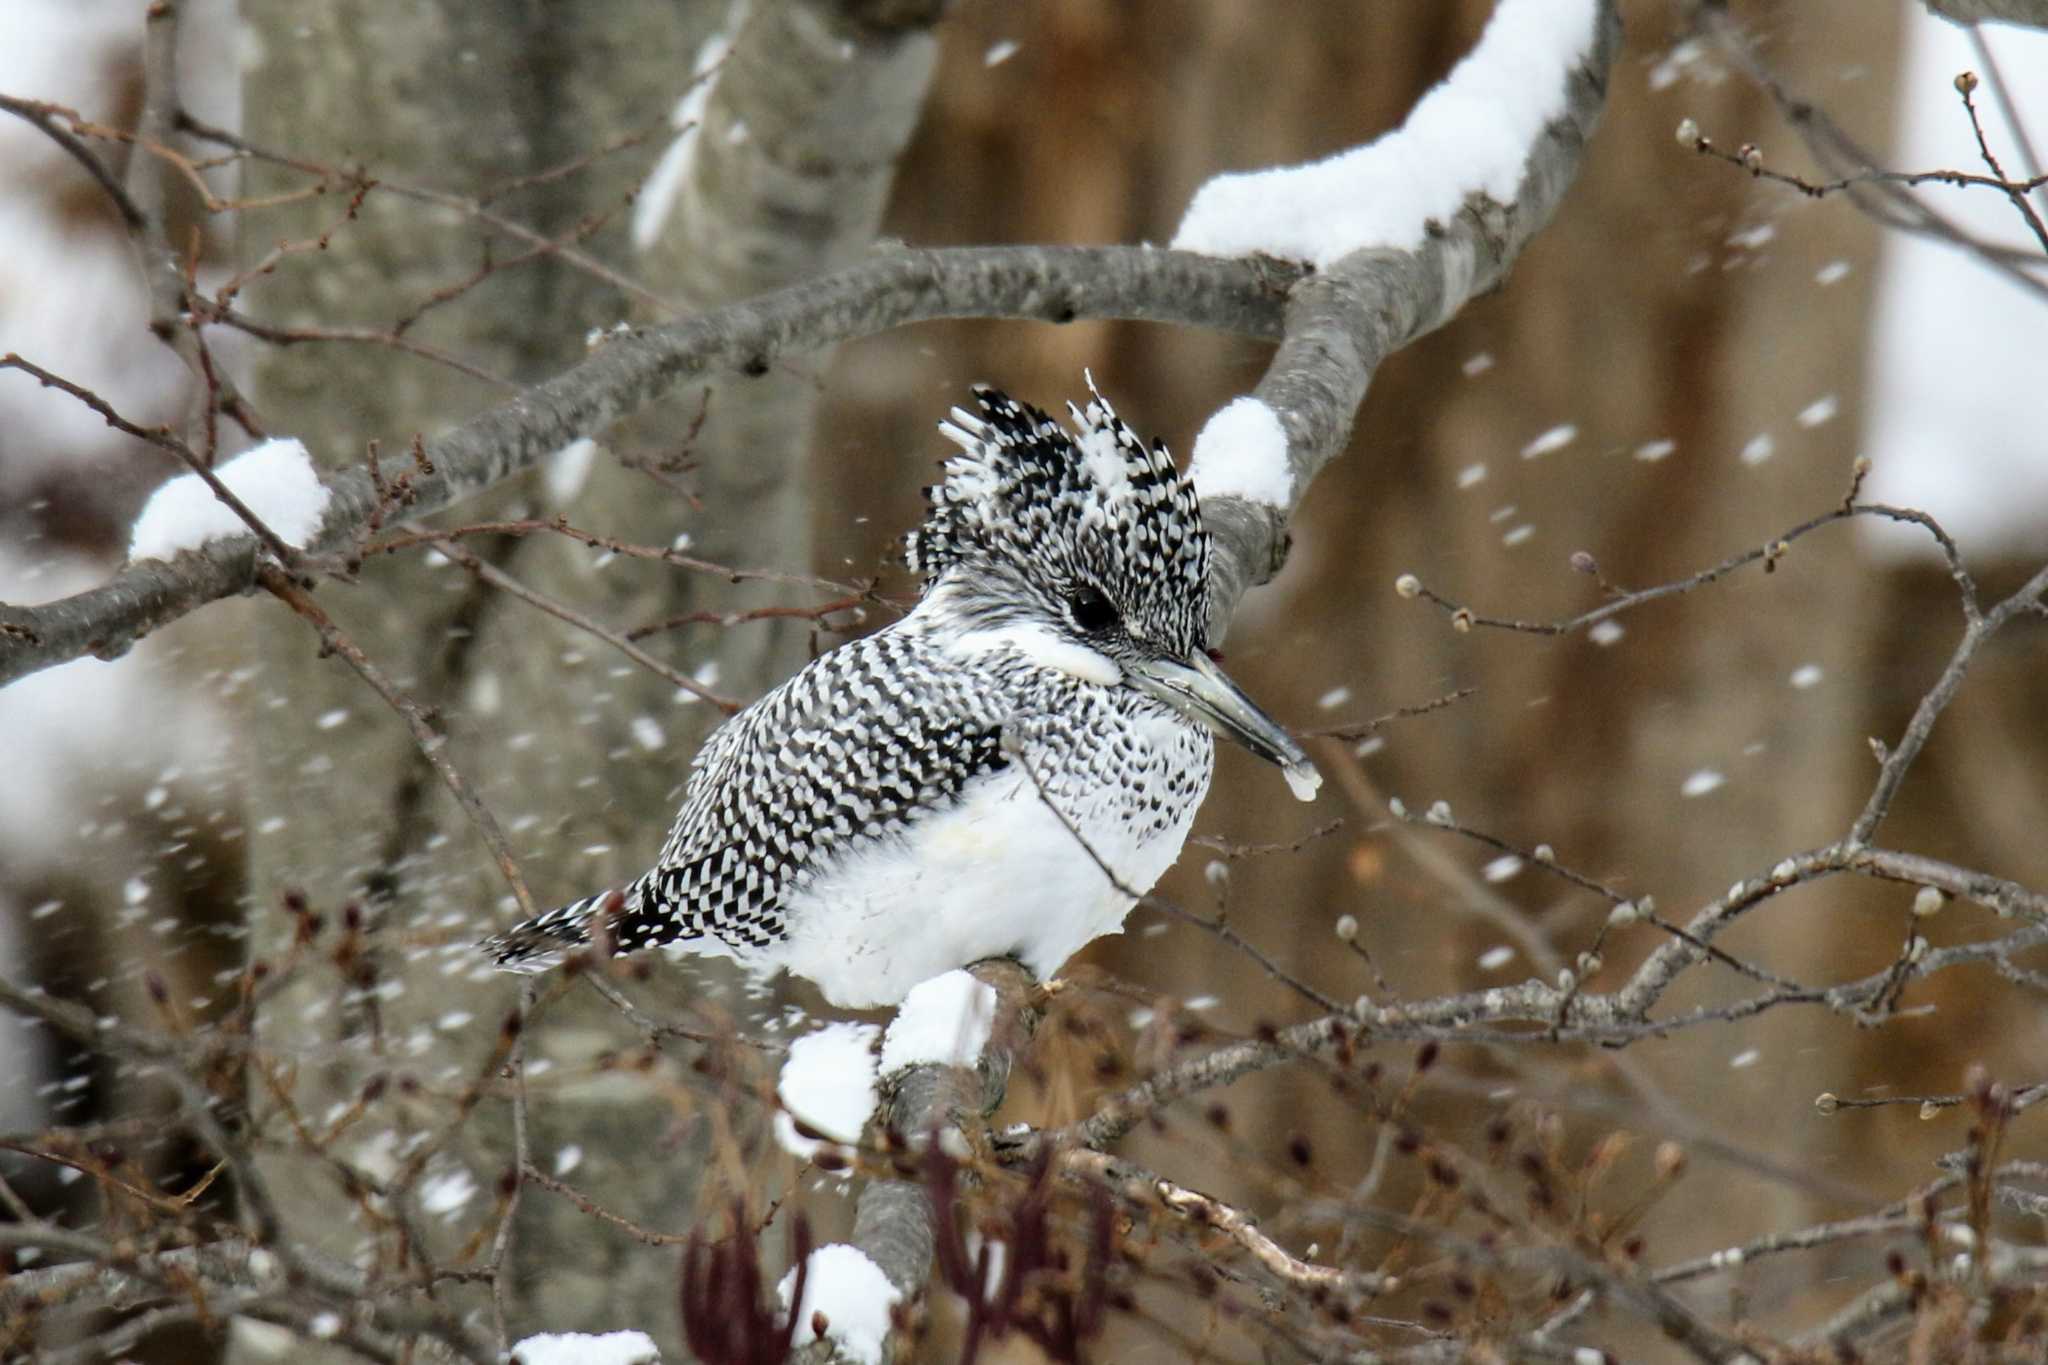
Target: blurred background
column 1682, row 367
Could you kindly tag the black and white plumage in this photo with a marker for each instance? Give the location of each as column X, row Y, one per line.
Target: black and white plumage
column 996, row 773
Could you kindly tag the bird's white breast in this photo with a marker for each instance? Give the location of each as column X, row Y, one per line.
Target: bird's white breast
column 999, row 874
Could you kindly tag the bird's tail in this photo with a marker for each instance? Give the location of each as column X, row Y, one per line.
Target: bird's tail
column 543, row 941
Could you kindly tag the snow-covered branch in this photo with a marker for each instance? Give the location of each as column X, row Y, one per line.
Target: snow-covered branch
column 1403, row 232
column 945, row 1058
column 628, row 371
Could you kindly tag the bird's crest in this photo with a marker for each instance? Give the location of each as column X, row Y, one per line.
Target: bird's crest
column 1093, row 503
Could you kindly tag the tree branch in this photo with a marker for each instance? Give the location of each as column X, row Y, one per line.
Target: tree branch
column 1048, row 284
column 1342, row 323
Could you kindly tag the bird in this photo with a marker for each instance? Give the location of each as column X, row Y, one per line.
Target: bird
column 1001, row 772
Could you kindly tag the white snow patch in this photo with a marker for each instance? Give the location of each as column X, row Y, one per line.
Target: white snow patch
column 583, row 1348
column 1477, row 365
column 275, row 480
column 658, row 195
column 1518, row 535
column 569, row 468
column 828, row 1081
column 568, row 1159
column 1805, row 676
column 1242, row 453
column 648, row 734
column 1334, row 698
column 332, row 720
column 1819, row 412
column 1605, row 633
column 1470, row 134
column 1750, row 238
column 1680, row 59
column 1834, row 272
column 998, row 53
column 1760, row 448
column 1748, row 1057
column 1503, row 868
column 705, row 675
column 448, row 1192
column 1701, row 782
column 1557, row 438
column 1471, row 474
column 944, row 1021
column 1493, row 959
column 853, row 1294
column 1649, row 452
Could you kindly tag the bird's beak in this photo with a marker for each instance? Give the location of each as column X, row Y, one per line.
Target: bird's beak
column 1199, row 690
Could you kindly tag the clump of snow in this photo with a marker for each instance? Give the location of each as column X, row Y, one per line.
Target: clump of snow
column 828, row 1081
column 658, row 195
column 943, row 1021
column 853, row 1294
column 1242, row 453
column 1471, row 134
column 276, row 481
column 582, row 1348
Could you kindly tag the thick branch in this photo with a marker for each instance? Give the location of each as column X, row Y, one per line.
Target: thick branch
column 1050, row 284
column 893, row 1221
column 1341, row 324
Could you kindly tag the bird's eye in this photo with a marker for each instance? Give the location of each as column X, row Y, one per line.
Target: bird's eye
column 1090, row 610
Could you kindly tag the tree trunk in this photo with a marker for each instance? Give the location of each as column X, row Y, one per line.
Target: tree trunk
column 580, row 756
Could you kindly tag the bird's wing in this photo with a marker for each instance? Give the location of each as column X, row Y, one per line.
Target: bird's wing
column 844, row 753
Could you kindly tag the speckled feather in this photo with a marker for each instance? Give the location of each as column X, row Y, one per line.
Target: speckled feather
column 883, row 815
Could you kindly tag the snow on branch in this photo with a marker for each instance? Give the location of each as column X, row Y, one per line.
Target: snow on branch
column 630, row 370
column 275, row 481
column 828, row 1085
column 945, row 1021
column 1470, row 135
column 583, row 1348
column 847, row 1300
column 1402, row 232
